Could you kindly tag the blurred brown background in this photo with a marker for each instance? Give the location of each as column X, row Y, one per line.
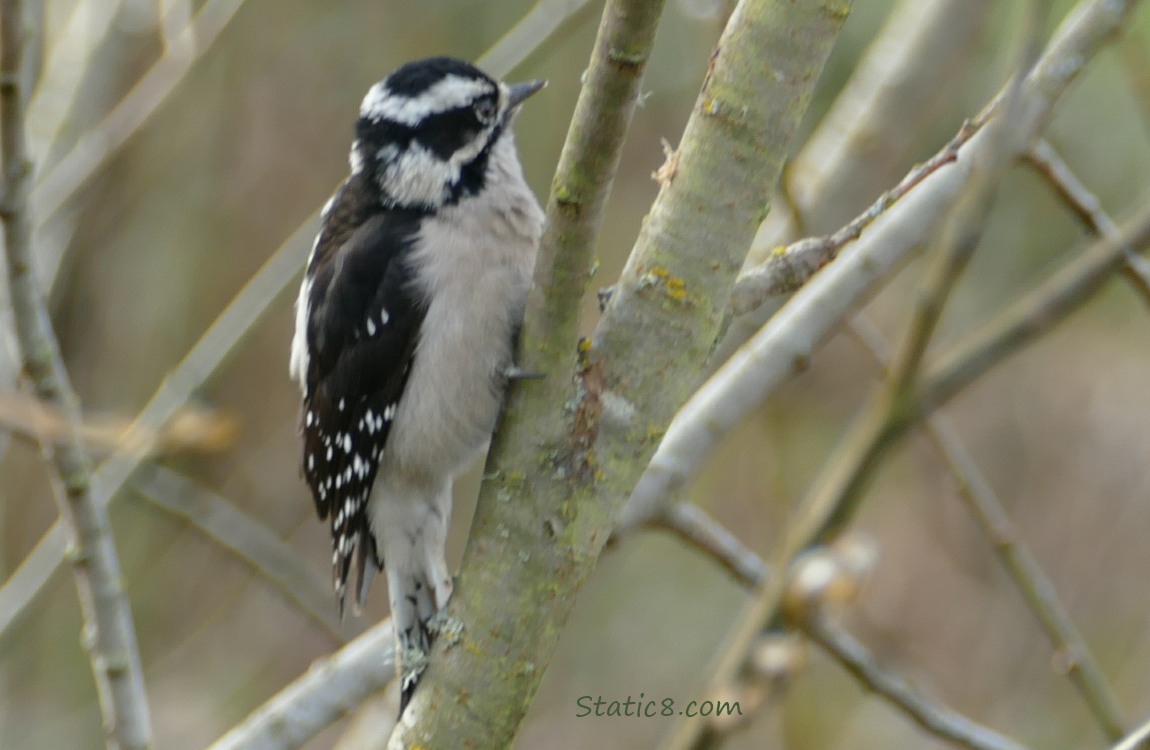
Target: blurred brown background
column 253, row 141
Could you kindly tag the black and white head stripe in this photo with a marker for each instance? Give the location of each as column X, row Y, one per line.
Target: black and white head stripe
column 450, row 92
column 426, row 131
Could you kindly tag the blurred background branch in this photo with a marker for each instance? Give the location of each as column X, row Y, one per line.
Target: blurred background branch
column 333, row 687
column 1003, row 539
column 109, row 635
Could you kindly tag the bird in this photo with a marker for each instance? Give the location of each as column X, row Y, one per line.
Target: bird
column 405, row 329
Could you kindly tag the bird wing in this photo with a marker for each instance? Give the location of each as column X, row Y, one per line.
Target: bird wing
column 362, row 323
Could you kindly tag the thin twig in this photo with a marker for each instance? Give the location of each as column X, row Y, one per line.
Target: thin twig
column 272, row 559
column 1086, row 206
column 694, row 526
column 900, row 86
column 192, row 428
column 1036, row 589
column 1031, row 316
column 933, row 717
column 784, row 346
column 538, row 25
column 791, row 267
column 330, row 689
column 92, row 150
column 108, row 631
column 1139, row 739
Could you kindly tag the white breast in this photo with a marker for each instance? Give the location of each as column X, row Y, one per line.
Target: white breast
column 474, row 263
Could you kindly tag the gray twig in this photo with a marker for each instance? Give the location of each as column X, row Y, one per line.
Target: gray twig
column 792, row 266
column 1139, row 739
column 109, row 635
column 253, row 543
column 1037, row 590
column 694, row 526
column 934, row 718
column 330, row 689
column 1086, row 206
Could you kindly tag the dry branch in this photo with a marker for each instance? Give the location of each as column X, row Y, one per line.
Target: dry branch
column 786, row 343
column 1084, row 31
column 109, row 635
column 330, row 690
column 1037, row 590
column 934, row 718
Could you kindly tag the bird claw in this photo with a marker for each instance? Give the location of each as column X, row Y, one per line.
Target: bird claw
column 513, row 372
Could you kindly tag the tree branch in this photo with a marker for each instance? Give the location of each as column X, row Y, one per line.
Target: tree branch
column 263, row 551
column 109, row 635
column 831, row 501
column 934, row 718
column 1036, row 589
column 527, row 559
column 331, row 689
column 789, row 268
column 1136, row 740
column 692, row 524
column 898, row 89
column 1086, row 206
column 785, row 344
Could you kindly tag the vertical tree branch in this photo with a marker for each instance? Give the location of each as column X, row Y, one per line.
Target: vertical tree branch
column 898, row 89
column 108, row 632
column 488, row 590
column 549, row 507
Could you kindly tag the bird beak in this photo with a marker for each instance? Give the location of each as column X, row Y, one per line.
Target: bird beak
column 516, row 93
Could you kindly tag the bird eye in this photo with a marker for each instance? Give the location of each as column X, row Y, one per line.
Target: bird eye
column 485, row 110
